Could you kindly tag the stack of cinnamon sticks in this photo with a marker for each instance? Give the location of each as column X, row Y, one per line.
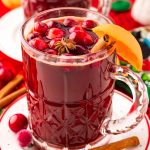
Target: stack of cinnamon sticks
column 7, row 93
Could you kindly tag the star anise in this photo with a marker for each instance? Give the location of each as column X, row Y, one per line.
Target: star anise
column 65, row 46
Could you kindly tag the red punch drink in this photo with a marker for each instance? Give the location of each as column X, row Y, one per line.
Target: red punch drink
column 70, row 85
column 68, row 101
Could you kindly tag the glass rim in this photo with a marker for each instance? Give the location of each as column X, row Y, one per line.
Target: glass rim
column 103, row 52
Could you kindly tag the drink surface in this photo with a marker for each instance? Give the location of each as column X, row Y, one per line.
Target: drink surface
column 68, row 103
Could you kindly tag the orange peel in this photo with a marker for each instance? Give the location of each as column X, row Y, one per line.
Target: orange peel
column 11, row 4
column 126, row 45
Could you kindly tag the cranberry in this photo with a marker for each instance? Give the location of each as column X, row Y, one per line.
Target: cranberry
column 18, row 122
column 52, row 51
column 75, row 28
column 69, row 22
column 55, row 33
column 40, row 27
column 146, row 65
column 53, row 42
column 24, row 138
column 52, row 24
column 81, row 38
column 88, row 39
column 38, row 44
column 32, row 36
column 45, row 39
column 5, row 75
column 89, row 24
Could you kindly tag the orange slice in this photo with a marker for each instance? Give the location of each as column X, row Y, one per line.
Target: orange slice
column 12, row 3
column 126, row 44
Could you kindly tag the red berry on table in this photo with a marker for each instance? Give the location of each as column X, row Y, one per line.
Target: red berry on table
column 40, row 27
column 5, row 75
column 18, row 122
column 52, row 51
column 53, row 42
column 75, row 28
column 81, row 37
column 8, row 75
column 38, row 44
column 55, row 33
column 24, row 137
column 89, row 24
column 69, row 22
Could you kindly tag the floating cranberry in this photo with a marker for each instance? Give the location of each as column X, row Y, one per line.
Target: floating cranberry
column 53, row 42
column 52, row 51
column 89, row 24
column 45, row 39
column 24, row 138
column 18, row 122
column 75, row 28
column 81, row 38
column 52, row 24
column 38, row 44
column 69, row 22
column 32, row 36
column 87, row 39
column 55, row 33
column 40, row 27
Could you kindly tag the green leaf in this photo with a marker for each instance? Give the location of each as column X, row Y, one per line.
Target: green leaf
column 123, row 63
column 134, row 69
column 145, row 77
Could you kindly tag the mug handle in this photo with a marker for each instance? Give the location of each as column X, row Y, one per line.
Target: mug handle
column 140, row 102
column 104, row 6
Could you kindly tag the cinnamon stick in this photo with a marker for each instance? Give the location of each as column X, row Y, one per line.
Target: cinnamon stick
column 119, row 145
column 10, row 86
column 9, row 98
column 101, row 43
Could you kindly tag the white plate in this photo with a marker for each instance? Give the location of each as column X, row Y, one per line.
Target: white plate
column 121, row 103
column 10, row 25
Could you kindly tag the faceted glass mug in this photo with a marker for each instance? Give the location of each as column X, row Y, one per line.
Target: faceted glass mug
column 70, row 97
column 32, row 7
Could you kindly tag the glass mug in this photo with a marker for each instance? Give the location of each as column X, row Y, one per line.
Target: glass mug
column 70, row 97
column 31, row 7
